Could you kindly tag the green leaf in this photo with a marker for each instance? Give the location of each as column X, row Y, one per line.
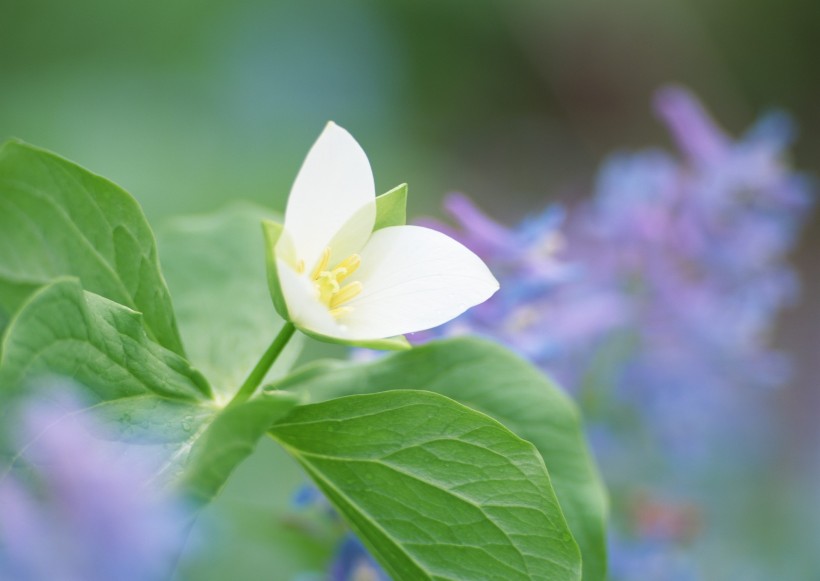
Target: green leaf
column 434, row 489
column 215, row 266
column 489, row 378
column 391, row 208
column 58, row 219
column 141, row 391
column 231, row 437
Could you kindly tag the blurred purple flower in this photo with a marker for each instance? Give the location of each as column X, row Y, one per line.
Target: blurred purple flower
column 532, row 303
column 71, row 512
column 649, row 560
column 353, row 563
column 682, row 259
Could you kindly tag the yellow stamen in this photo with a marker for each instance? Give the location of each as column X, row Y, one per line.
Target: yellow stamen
column 347, row 267
column 322, row 265
column 346, row 293
column 327, row 286
column 300, row 267
column 328, row 282
column 338, row 312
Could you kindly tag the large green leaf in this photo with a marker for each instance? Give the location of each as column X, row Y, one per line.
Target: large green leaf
column 434, row 489
column 142, row 391
column 58, row 219
column 489, row 378
column 215, row 266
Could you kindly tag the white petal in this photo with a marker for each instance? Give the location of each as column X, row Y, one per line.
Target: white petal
column 334, row 185
column 414, row 278
column 304, row 307
column 353, row 234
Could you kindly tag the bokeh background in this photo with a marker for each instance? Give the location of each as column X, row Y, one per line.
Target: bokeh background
column 191, row 104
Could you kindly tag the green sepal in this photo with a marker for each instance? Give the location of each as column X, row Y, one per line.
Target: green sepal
column 273, row 232
column 398, row 343
column 391, row 208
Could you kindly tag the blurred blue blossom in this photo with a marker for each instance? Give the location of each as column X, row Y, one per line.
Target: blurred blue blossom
column 649, row 560
column 531, row 304
column 680, row 260
column 308, row 497
column 71, row 512
column 353, row 563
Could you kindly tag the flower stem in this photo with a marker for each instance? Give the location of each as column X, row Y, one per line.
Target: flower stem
column 264, row 364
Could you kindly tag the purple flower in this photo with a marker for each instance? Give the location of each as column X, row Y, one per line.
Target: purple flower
column 681, row 261
column 72, row 512
column 650, row 560
column 532, row 313
column 353, row 563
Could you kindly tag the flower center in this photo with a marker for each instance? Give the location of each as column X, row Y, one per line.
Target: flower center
column 328, row 282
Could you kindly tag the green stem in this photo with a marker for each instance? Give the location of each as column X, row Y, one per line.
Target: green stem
column 263, row 366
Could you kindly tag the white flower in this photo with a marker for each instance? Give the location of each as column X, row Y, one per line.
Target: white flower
column 344, row 277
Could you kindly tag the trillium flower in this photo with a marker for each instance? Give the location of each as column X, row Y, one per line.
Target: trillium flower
column 345, row 268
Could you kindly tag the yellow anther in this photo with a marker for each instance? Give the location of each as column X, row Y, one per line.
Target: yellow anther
column 327, row 286
column 300, row 267
column 328, row 282
column 322, row 264
column 347, row 267
column 339, row 311
column 346, row 293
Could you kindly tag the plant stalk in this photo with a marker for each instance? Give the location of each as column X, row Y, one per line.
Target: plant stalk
column 264, row 364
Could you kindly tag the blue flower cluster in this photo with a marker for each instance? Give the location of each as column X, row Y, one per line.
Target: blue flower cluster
column 70, row 511
column 354, row 563
column 675, row 267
